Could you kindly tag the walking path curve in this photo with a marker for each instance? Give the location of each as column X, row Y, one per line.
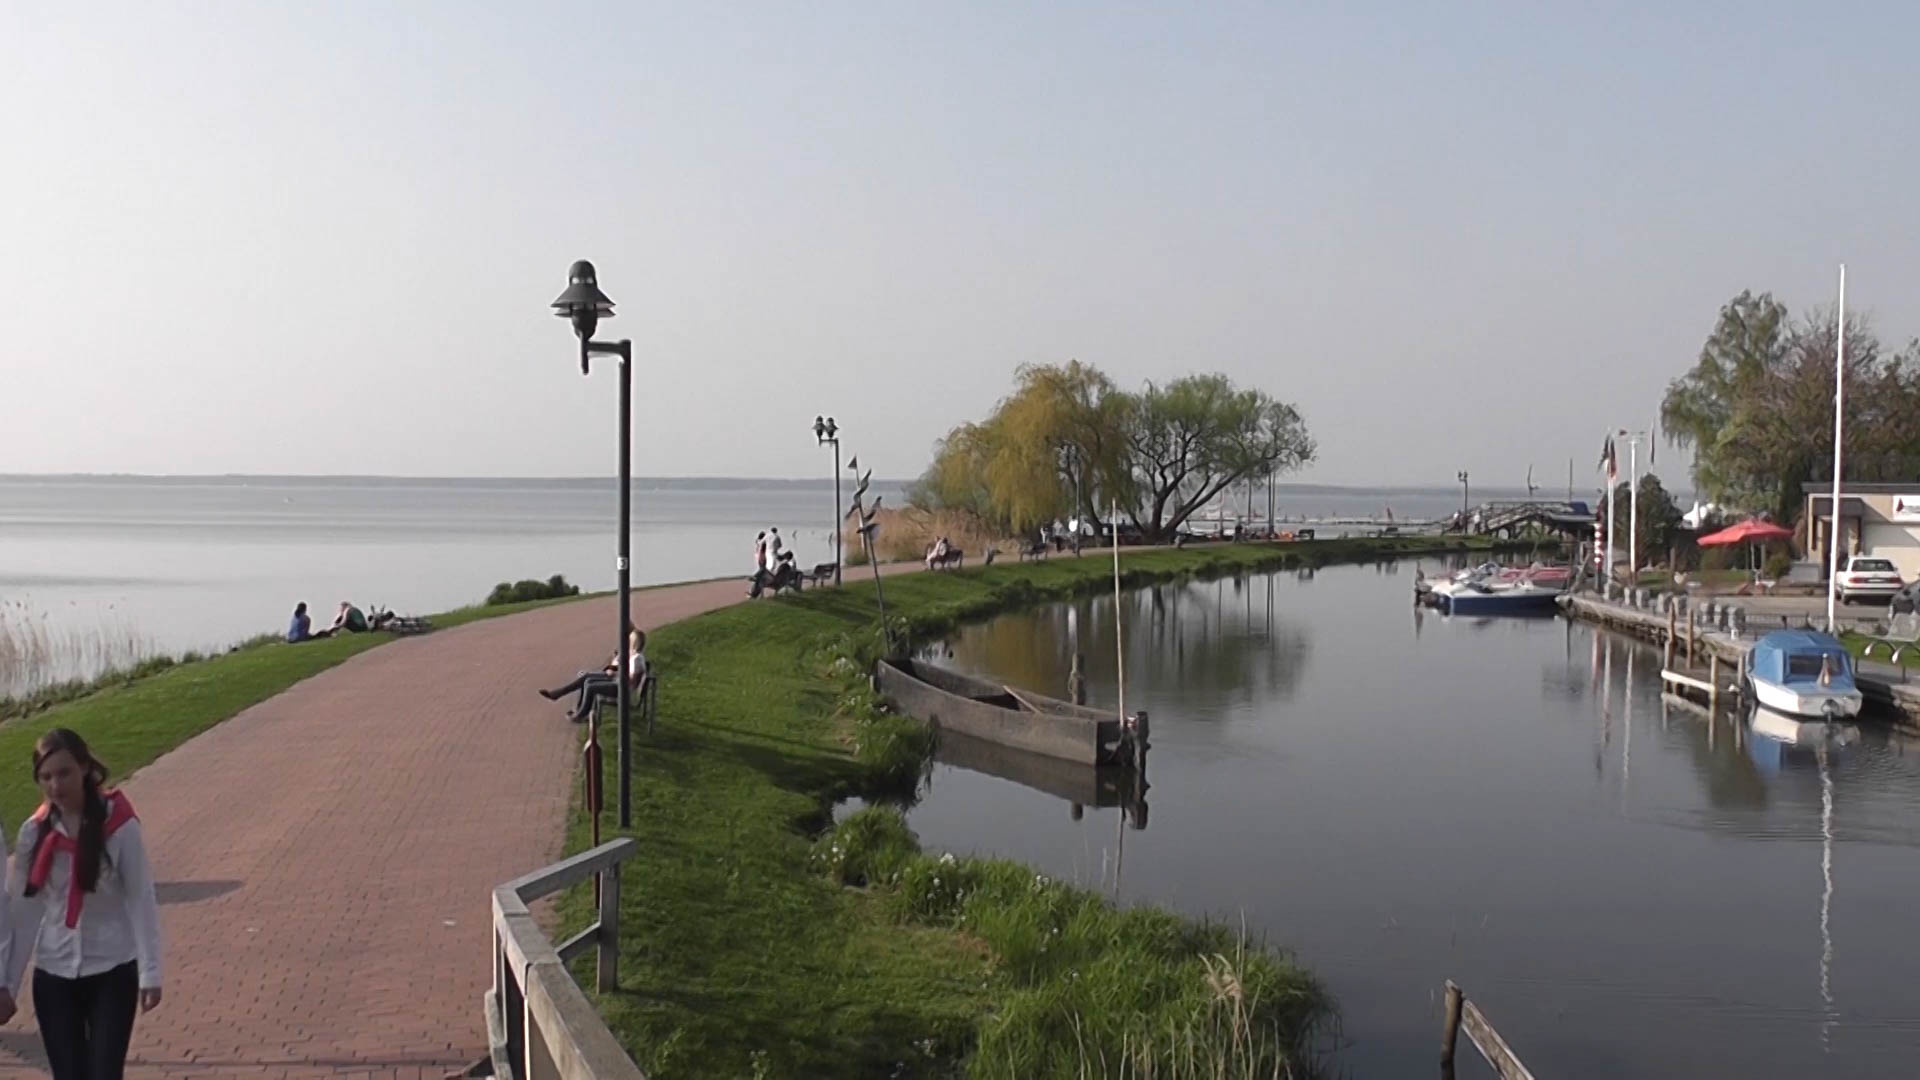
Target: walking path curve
column 326, row 858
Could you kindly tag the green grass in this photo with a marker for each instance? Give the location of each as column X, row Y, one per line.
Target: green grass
column 1857, row 643
column 131, row 718
column 743, row 951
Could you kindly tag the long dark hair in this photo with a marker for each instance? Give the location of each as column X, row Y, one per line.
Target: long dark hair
column 93, row 811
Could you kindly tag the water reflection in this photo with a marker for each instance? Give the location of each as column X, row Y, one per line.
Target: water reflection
column 1623, row 881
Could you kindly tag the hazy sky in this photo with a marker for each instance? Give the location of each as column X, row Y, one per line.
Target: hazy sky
column 321, row 238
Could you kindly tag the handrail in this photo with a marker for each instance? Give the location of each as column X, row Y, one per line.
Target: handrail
column 540, row 1025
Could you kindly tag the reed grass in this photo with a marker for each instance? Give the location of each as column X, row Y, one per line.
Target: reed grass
column 36, row 655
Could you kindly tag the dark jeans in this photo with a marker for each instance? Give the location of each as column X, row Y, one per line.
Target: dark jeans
column 86, row 1023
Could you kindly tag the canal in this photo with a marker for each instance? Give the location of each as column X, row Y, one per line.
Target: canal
column 1626, row 889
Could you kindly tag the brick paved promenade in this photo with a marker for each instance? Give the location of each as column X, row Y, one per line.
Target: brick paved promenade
column 326, row 858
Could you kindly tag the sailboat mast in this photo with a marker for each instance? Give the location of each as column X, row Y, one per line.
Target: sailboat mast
column 1839, row 424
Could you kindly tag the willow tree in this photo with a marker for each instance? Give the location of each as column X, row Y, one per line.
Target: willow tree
column 1194, row 437
column 1061, row 433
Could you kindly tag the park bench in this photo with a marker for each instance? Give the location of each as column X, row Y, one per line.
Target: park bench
column 1902, row 633
column 821, row 573
column 1035, row 550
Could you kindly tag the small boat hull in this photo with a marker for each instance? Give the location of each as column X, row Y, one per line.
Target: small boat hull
column 1510, row 600
column 954, row 702
column 1807, row 702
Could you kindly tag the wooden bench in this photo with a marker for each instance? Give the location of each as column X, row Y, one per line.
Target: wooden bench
column 821, row 573
column 1035, row 550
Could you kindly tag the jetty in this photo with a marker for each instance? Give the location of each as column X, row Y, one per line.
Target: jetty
column 1706, row 642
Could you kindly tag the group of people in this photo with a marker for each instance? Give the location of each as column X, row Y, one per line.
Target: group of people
column 80, row 902
column 938, row 551
column 349, row 619
column 773, row 564
column 590, row 688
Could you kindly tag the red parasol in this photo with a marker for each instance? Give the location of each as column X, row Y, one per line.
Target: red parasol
column 1750, row 531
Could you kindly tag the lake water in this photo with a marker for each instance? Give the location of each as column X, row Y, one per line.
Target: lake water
column 1626, row 889
column 107, row 568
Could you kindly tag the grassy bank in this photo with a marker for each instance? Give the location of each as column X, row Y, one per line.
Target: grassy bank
column 757, row 941
column 130, row 718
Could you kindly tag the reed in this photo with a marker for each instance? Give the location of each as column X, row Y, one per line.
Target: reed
column 43, row 662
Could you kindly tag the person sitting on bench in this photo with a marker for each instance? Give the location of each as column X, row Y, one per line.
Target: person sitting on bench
column 593, row 687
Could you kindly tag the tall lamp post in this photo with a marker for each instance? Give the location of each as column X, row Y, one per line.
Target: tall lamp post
column 1070, row 462
column 1465, row 498
column 826, row 431
column 584, row 305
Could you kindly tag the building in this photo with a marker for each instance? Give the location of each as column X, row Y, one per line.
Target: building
column 1875, row 519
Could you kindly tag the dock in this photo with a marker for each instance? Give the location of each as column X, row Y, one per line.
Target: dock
column 1706, row 650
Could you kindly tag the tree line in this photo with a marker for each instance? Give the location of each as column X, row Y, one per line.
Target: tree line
column 1068, row 442
column 1757, row 407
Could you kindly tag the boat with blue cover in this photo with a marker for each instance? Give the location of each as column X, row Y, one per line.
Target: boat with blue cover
column 1803, row 673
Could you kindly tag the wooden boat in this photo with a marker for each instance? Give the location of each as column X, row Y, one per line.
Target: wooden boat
column 1001, row 714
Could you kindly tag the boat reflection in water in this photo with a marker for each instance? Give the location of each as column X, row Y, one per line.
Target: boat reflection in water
column 1783, row 741
column 1080, row 786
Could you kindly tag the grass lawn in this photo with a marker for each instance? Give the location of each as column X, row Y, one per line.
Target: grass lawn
column 130, row 723
column 756, row 942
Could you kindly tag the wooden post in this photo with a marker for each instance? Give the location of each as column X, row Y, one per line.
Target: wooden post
column 1450, row 1027
column 1077, row 683
column 1672, row 629
column 607, row 970
column 1690, row 633
column 1713, row 681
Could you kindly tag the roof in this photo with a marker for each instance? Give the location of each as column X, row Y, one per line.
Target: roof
column 1853, row 487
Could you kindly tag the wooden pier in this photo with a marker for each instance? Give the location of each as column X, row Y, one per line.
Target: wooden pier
column 1709, row 664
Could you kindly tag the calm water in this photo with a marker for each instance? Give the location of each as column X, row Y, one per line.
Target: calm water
column 174, row 565
column 1627, row 890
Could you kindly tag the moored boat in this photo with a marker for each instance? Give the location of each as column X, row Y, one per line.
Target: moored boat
column 1803, row 673
column 1001, row 714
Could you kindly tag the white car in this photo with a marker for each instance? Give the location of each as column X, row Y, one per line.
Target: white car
column 1866, row 577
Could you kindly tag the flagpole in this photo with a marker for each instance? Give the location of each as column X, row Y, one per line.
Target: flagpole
column 1839, row 422
column 1607, row 573
column 1633, row 511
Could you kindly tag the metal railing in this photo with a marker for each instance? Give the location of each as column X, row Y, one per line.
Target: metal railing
column 540, row 1025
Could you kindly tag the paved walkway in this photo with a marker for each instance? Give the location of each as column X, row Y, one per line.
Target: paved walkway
column 326, row 858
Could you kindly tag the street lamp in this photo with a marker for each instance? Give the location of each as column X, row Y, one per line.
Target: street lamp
column 1465, row 498
column 826, row 431
column 1070, row 463
column 584, row 305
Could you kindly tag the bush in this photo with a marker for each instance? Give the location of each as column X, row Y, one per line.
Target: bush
column 1777, row 566
column 519, row 592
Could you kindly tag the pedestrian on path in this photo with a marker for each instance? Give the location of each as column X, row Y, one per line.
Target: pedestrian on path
column 80, row 901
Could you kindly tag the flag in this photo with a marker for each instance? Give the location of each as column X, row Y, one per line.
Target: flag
column 1611, row 459
column 1653, row 442
column 855, row 463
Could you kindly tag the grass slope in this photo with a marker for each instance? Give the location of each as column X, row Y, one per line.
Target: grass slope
column 744, row 954
column 130, row 722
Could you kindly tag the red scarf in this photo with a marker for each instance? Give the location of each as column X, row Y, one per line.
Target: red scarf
column 52, row 841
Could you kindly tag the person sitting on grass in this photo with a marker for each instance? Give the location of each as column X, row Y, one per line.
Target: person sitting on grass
column 350, row 619
column 593, row 687
column 301, row 628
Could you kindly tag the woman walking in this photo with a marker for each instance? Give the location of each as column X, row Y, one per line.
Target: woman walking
column 81, row 901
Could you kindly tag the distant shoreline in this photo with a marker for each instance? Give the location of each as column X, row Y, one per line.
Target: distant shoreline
column 655, row 483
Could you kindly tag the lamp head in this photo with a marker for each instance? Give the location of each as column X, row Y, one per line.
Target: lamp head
column 820, row 428
column 583, row 303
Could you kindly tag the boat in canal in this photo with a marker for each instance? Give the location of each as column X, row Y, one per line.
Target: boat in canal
column 1002, row 714
column 1804, row 674
column 1492, row 589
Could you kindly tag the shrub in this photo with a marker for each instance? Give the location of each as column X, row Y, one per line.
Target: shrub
column 870, row 845
column 1777, row 566
column 519, row 592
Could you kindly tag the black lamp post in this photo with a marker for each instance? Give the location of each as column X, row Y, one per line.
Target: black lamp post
column 826, row 431
column 585, row 305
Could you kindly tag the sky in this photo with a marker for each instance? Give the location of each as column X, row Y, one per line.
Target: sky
column 322, row 239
